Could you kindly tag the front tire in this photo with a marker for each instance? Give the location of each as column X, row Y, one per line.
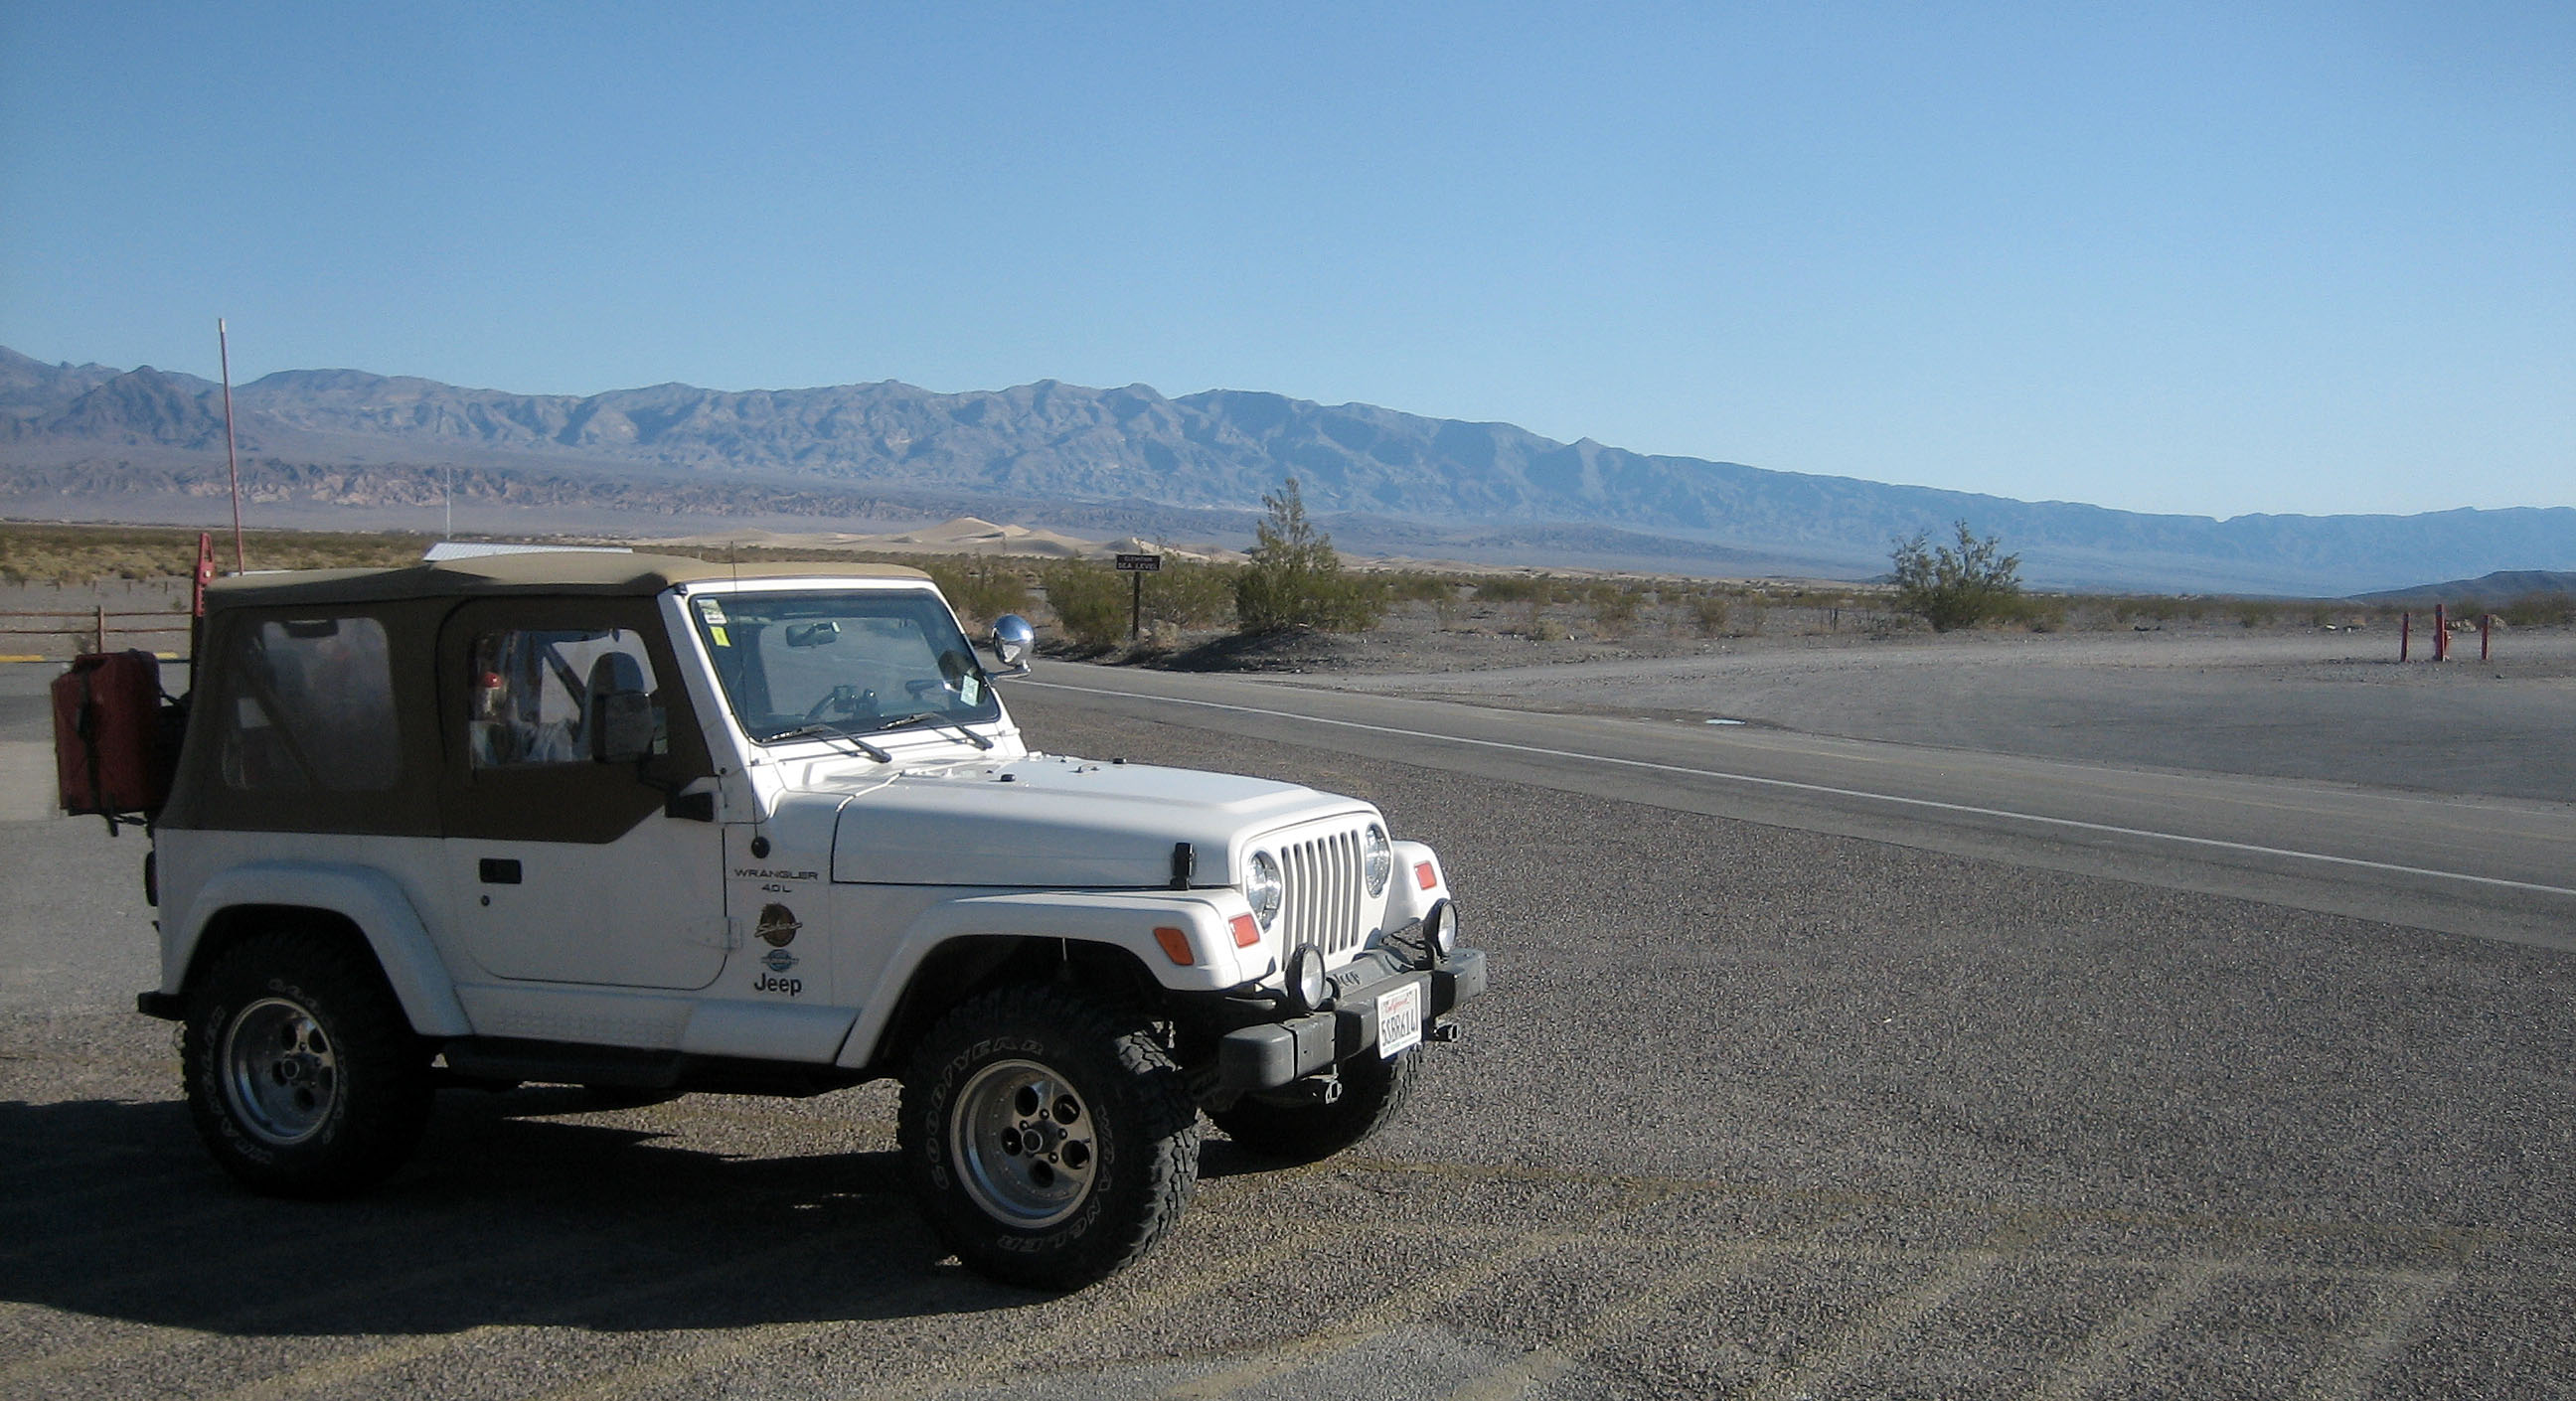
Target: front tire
column 303, row 1075
column 1049, row 1138
column 1374, row 1091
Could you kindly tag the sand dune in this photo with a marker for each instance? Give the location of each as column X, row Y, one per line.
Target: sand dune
column 962, row 535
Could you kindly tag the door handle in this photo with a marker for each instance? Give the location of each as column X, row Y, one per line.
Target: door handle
column 498, row 871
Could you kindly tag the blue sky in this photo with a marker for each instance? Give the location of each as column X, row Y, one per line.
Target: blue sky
column 2208, row 259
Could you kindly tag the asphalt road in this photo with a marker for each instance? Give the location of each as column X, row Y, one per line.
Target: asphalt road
column 1780, row 1092
column 2487, row 866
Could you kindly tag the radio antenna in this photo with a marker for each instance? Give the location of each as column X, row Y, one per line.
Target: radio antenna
column 232, row 463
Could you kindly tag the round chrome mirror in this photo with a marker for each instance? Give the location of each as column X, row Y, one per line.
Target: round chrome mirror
column 1013, row 639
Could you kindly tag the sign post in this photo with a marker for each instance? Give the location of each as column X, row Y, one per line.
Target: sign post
column 1139, row 566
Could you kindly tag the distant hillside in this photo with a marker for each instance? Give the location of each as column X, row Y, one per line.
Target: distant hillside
column 130, row 441
column 2494, row 590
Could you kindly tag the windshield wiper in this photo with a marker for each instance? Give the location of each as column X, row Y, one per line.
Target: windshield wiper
column 926, row 718
column 831, row 731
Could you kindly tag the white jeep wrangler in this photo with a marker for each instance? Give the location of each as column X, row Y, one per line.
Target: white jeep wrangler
column 653, row 825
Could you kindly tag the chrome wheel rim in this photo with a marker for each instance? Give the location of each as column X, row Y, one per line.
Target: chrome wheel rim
column 280, row 1071
column 1024, row 1144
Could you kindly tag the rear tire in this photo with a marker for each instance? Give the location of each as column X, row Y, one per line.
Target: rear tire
column 303, row 1075
column 1049, row 1138
column 1374, row 1091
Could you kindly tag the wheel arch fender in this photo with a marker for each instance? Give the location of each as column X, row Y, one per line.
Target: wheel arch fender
column 957, row 945
column 366, row 900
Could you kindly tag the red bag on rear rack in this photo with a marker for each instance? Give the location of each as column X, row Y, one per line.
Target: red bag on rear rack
column 115, row 736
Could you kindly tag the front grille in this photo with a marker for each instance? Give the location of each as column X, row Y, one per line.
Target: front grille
column 1323, row 903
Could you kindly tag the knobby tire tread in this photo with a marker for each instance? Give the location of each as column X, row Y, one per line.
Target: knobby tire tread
column 386, row 1078
column 1145, row 1083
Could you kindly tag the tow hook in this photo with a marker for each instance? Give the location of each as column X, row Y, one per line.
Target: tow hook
column 1442, row 1032
column 1316, row 1089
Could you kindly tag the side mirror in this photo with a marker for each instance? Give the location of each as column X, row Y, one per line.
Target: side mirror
column 622, row 725
column 1012, row 641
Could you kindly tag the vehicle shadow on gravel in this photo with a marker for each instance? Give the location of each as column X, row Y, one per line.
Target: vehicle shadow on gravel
column 507, row 1216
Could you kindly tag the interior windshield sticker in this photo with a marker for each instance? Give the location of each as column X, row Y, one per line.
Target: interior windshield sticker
column 970, row 690
column 716, row 631
column 712, row 611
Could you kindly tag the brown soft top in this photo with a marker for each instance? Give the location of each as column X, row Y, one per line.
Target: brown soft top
column 534, row 572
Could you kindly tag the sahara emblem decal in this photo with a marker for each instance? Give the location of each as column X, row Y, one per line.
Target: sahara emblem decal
column 777, row 926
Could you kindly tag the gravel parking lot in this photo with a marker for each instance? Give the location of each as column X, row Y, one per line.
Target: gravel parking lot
column 1751, row 1112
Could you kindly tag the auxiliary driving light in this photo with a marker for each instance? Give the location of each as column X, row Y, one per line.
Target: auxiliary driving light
column 1306, row 978
column 1440, row 929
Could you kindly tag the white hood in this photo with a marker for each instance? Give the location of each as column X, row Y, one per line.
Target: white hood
column 1061, row 823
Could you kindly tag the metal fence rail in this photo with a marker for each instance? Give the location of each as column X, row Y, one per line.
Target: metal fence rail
column 94, row 626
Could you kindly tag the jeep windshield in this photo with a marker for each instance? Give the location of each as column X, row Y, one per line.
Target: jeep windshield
column 851, row 662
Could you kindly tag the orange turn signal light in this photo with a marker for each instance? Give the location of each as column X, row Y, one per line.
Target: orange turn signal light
column 1246, row 932
column 1176, row 945
column 1424, row 876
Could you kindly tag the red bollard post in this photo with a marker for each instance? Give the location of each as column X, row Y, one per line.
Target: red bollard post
column 205, row 574
column 2405, row 633
column 2441, row 635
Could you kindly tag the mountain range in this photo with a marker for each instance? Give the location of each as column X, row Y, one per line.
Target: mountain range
column 367, row 450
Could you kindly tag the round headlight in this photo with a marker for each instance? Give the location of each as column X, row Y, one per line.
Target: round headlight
column 1440, row 929
column 1306, row 977
column 1377, row 859
column 1264, row 889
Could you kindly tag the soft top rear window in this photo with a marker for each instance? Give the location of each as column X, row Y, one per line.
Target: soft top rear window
column 311, row 707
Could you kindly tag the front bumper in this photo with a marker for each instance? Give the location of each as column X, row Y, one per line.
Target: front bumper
column 1268, row 1055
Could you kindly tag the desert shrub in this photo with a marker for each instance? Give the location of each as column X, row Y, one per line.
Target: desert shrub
column 1090, row 601
column 982, row 590
column 81, row 554
column 1614, row 608
column 2037, row 612
column 1415, row 586
column 1295, row 579
column 2539, row 610
column 1190, row 595
column 1709, row 611
column 2254, row 613
column 1516, row 588
column 1954, row 588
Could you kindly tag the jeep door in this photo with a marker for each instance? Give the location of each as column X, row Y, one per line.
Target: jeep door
column 563, row 867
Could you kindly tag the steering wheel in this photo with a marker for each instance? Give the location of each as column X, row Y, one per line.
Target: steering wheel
column 845, row 700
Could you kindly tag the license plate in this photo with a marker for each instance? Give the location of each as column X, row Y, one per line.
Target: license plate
column 1399, row 1020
